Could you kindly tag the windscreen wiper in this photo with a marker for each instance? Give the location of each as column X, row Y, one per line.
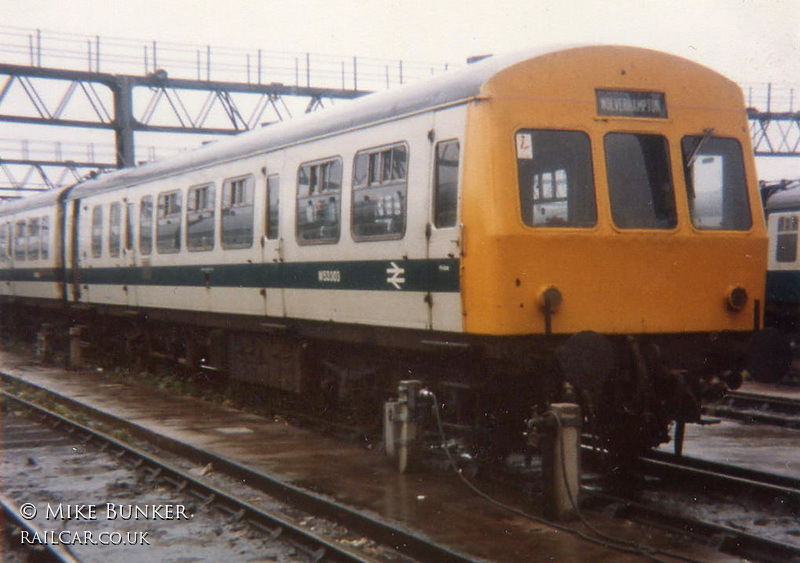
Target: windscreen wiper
column 696, row 151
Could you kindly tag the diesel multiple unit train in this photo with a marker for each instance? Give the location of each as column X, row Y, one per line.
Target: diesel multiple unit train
column 782, row 299
column 582, row 222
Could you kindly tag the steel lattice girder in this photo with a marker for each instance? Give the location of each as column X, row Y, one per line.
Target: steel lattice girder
column 19, row 178
column 775, row 134
column 173, row 105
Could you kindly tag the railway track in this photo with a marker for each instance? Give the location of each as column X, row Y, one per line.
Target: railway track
column 730, row 541
column 760, row 484
column 761, row 409
column 741, row 512
column 31, row 429
column 15, row 524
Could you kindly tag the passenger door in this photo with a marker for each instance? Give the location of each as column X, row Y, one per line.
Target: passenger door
column 73, row 259
column 444, row 231
column 272, row 240
column 120, row 254
column 129, row 250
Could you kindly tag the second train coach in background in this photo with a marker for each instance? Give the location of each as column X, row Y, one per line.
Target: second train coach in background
column 782, row 207
column 587, row 215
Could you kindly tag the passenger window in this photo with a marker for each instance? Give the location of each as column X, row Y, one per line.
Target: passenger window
column 168, row 226
column 97, row 231
column 34, row 239
column 200, row 218
column 786, row 247
column 11, row 245
column 445, row 190
column 4, row 242
column 7, row 232
column 716, row 184
column 556, row 185
column 380, row 186
column 129, row 218
column 273, row 207
column 319, row 188
column 237, row 213
column 45, row 231
column 639, row 181
column 146, row 225
column 20, row 240
column 115, row 229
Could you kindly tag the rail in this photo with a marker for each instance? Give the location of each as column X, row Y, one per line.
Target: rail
column 722, row 476
column 404, row 541
column 271, row 524
column 699, row 475
column 762, row 409
column 46, row 552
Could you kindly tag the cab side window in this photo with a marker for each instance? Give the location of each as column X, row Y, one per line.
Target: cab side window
column 445, row 185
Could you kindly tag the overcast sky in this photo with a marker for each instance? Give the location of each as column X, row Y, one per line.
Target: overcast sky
column 747, row 40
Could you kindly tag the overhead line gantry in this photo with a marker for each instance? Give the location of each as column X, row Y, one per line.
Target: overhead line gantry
column 55, row 79
column 121, row 119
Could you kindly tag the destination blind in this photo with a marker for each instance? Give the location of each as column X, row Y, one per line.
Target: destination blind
column 626, row 103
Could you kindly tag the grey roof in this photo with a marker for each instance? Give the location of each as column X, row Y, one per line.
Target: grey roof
column 785, row 199
column 45, row 199
column 452, row 87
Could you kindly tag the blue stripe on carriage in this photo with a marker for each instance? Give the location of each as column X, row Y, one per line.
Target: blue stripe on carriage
column 373, row 275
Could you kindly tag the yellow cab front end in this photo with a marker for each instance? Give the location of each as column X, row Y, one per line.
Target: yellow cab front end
column 612, row 191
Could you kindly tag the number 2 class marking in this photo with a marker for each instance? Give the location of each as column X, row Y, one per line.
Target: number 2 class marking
column 524, row 146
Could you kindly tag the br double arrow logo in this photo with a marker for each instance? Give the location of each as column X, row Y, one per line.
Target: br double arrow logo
column 395, row 275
